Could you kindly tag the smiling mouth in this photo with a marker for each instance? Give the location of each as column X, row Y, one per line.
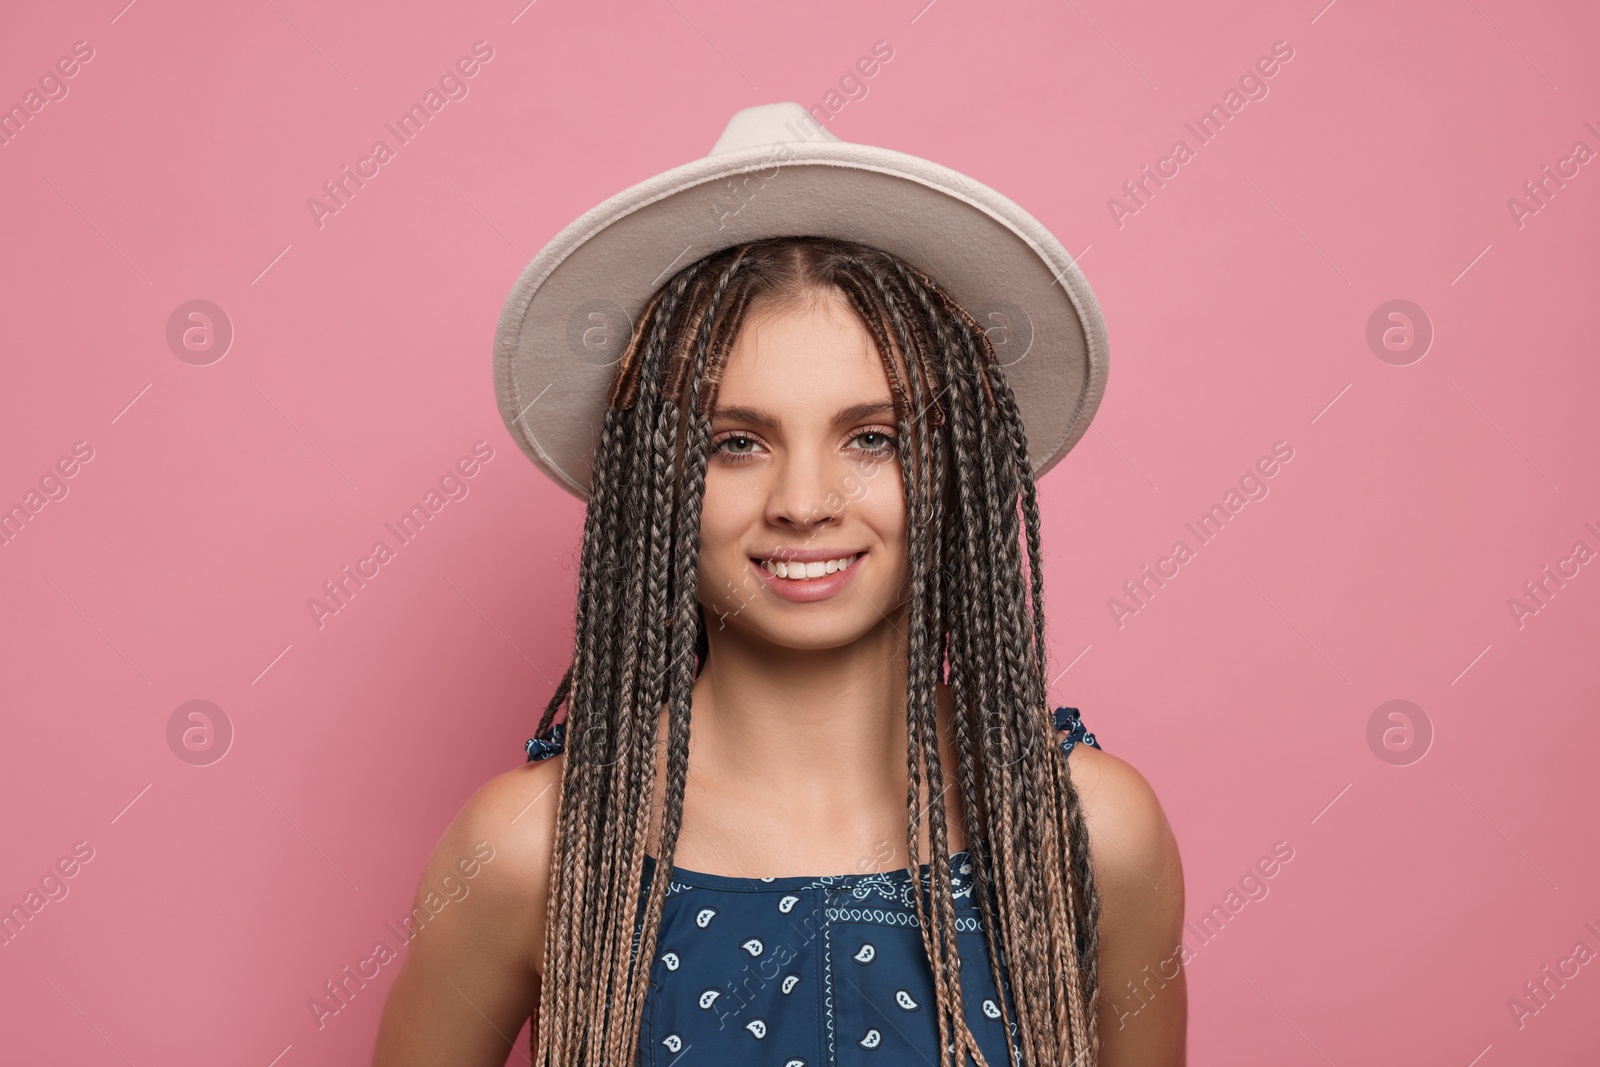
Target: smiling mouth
column 805, row 572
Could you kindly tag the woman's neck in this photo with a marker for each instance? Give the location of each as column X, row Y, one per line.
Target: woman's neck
column 799, row 756
column 820, row 723
column 812, row 738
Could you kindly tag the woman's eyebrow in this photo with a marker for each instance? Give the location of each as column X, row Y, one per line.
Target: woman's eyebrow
column 757, row 417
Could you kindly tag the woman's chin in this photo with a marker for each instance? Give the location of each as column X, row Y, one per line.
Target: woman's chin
column 816, row 634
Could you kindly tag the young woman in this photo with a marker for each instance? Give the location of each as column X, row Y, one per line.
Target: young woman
column 812, row 533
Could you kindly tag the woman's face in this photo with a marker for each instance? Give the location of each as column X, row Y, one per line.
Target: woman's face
column 803, row 473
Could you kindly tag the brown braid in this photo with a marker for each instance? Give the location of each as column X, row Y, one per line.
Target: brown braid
column 975, row 619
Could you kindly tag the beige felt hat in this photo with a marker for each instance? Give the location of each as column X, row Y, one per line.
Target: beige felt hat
column 776, row 171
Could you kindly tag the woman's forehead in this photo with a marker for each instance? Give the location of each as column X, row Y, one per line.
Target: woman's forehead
column 816, row 344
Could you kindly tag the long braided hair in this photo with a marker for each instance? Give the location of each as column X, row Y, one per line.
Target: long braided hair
column 975, row 620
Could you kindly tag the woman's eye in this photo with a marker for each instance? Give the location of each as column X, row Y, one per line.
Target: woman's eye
column 884, row 442
column 740, row 439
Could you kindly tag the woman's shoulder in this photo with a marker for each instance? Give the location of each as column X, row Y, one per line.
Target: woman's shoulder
column 511, row 818
column 1131, row 841
column 525, row 797
column 1139, row 876
column 475, row 934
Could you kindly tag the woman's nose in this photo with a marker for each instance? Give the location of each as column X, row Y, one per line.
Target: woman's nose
column 805, row 491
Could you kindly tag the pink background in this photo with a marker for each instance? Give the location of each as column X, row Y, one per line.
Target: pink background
column 220, row 498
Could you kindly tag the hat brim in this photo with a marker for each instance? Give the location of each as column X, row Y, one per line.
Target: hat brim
column 566, row 322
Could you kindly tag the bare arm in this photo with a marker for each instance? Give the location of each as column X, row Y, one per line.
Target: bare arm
column 1143, row 1014
column 470, row 978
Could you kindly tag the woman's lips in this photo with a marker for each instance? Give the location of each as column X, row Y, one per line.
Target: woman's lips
column 805, row 590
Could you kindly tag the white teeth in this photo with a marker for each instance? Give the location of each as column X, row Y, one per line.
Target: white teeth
column 802, row 571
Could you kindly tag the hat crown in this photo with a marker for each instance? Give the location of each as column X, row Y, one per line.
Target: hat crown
column 770, row 124
column 563, row 328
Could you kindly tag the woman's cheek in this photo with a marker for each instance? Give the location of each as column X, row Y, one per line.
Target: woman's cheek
column 724, row 596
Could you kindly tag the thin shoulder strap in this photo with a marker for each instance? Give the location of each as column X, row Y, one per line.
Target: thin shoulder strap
column 1067, row 719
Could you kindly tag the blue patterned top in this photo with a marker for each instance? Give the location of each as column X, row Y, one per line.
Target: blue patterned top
column 809, row 971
